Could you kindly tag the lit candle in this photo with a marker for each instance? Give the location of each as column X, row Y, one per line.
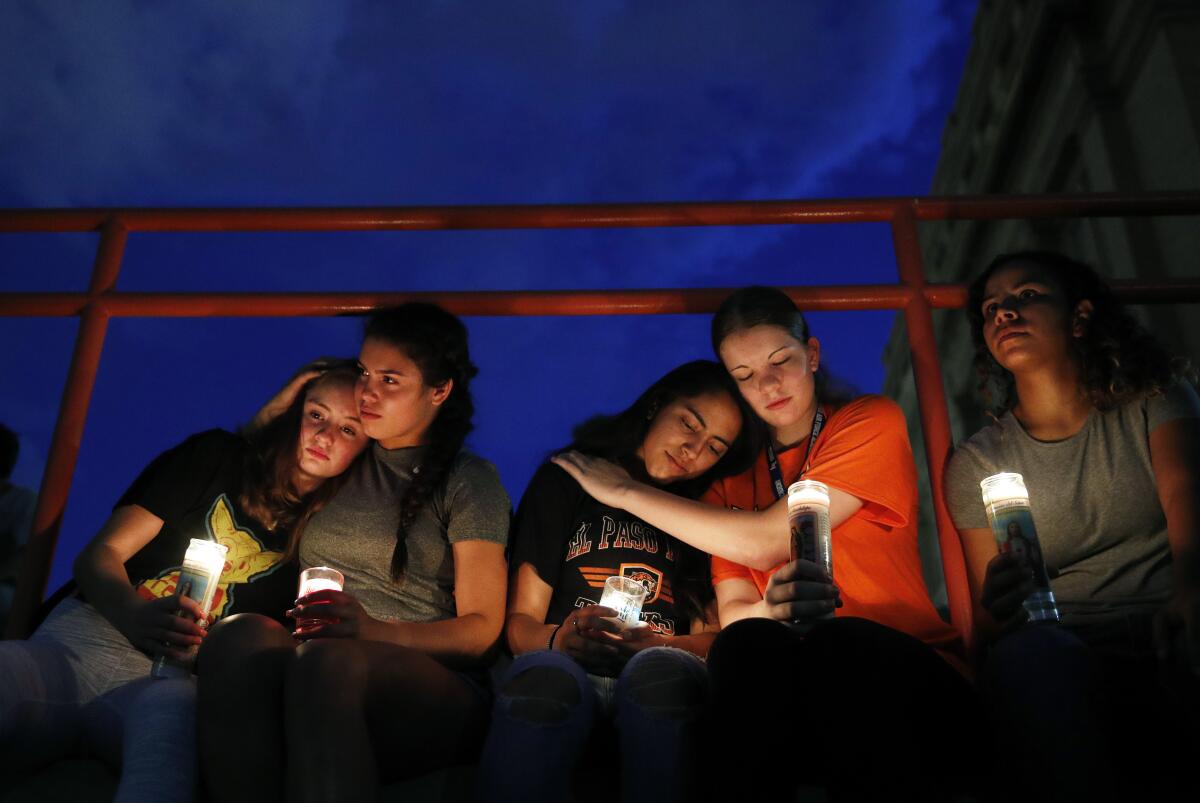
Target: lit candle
column 203, row 564
column 320, row 578
column 1007, row 502
column 625, row 596
column 808, row 525
column 317, row 578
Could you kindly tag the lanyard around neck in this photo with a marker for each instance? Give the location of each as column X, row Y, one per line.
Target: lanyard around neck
column 773, row 459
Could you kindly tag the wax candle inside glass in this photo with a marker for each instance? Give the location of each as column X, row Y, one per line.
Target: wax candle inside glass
column 625, row 596
column 203, row 564
column 808, row 525
column 1007, row 502
column 317, row 578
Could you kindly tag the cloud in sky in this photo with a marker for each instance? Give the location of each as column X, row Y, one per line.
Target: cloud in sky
column 131, row 103
column 450, row 102
column 461, row 101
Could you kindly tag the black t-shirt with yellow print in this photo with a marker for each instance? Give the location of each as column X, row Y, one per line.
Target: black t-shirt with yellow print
column 194, row 489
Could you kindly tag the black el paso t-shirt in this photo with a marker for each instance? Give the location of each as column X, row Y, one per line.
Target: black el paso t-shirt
column 575, row 544
column 194, row 489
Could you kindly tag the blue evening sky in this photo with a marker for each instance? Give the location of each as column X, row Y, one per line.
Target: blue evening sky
column 305, row 103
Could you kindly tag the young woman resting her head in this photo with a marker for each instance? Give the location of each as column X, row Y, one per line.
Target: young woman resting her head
column 84, row 675
column 577, row 668
column 799, row 645
column 394, row 668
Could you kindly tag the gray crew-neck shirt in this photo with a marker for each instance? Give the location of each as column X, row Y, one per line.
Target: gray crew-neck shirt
column 356, row 532
column 1094, row 501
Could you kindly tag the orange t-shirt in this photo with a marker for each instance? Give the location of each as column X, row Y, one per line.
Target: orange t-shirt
column 863, row 450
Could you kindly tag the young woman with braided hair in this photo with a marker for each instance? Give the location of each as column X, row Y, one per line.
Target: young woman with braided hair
column 388, row 684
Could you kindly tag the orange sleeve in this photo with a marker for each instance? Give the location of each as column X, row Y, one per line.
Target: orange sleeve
column 721, row 568
column 866, row 453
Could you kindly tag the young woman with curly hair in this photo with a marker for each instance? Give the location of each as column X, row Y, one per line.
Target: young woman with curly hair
column 1104, row 426
column 389, row 684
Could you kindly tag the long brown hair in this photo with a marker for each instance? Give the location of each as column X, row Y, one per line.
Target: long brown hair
column 268, row 491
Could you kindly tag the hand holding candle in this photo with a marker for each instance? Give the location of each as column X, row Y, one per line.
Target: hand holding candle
column 625, row 596
column 203, row 564
column 591, row 636
column 312, row 580
column 1007, row 502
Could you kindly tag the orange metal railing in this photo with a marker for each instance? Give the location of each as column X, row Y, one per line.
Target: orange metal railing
column 912, row 295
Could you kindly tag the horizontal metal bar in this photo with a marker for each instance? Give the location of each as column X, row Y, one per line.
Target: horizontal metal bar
column 39, row 305
column 546, row 216
column 531, row 302
column 495, row 302
column 997, row 207
column 1131, row 291
column 748, row 213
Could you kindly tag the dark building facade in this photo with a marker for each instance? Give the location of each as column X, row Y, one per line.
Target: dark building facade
column 1059, row 96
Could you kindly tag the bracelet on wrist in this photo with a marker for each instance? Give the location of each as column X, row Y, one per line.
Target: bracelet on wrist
column 553, row 633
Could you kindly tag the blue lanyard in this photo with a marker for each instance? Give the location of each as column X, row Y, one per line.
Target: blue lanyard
column 773, row 459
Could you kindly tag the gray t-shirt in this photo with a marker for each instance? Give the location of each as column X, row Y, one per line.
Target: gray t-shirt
column 1094, row 501
column 356, row 532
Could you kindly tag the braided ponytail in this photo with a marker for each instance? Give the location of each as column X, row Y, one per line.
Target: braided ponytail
column 437, row 342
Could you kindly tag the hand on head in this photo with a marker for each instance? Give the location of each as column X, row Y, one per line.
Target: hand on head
column 282, row 400
column 601, row 479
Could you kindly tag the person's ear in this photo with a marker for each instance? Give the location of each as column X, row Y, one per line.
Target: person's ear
column 1082, row 318
column 442, row 392
column 814, row 354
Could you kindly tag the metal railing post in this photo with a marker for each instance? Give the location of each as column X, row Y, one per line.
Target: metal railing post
column 935, row 416
column 68, row 434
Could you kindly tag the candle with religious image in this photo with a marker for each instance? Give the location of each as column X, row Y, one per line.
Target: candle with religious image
column 1009, row 513
column 203, row 564
column 808, row 523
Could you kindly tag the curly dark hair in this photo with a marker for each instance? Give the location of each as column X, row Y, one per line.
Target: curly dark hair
column 268, row 493
column 767, row 306
column 1119, row 360
column 617, row 437
column 436, row 341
